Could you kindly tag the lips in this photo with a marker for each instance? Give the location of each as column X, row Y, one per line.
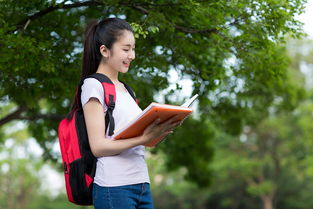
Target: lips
column 126, row 64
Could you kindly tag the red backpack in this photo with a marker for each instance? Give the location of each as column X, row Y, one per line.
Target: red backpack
column 78, row 161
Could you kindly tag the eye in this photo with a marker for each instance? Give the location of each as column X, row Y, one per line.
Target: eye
column 126, row 50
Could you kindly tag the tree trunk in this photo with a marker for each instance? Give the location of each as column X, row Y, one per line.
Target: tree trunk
column 267, row 202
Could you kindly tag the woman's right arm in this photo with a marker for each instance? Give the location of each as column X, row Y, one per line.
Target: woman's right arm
column 100, row 146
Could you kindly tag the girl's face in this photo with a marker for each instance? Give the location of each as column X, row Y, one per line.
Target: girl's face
column 122, row 52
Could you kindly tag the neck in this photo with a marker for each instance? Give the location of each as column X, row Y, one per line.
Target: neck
column 109, row 72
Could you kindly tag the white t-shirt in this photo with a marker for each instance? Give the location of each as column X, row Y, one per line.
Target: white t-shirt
column 128, row 167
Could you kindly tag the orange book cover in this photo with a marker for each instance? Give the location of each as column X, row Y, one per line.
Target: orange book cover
column 151, row 113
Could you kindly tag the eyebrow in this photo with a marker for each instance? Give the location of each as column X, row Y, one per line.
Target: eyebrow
column 128, row 45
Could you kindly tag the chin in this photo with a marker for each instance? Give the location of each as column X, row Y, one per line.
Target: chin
column 123, row 70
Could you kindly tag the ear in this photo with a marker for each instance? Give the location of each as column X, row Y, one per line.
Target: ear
column 105, row 52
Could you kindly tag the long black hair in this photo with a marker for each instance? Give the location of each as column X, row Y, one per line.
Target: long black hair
column 104, row 32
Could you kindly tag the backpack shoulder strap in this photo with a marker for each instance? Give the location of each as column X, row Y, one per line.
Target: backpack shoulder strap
column 131, row 92
column 109, row 99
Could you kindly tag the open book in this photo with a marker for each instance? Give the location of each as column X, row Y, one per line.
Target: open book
column 150, row 114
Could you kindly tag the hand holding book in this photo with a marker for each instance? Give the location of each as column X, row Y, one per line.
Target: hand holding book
column 160, row 130
column 168, row 114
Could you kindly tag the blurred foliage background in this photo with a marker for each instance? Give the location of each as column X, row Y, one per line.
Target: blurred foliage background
column 247, row 146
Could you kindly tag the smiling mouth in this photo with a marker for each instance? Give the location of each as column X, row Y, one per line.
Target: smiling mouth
column 126, row 64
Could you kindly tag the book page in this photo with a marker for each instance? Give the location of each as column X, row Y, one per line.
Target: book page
column 190, row 101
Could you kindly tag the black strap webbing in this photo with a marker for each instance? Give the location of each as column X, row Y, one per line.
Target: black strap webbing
column 130, row 90
column 109, row 120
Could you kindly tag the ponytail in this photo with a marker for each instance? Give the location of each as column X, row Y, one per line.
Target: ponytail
column 92, row 56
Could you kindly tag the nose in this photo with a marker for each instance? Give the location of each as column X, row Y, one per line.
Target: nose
column 131, row 55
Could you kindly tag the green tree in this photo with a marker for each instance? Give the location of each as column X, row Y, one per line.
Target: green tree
column 228, row 49
column 270, row 162
column 18, row 172
column 45, row 201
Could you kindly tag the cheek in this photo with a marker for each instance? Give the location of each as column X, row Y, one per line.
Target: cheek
column 120, row 55
column 117, row 59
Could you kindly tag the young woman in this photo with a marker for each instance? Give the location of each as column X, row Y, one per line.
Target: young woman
column 121, row 180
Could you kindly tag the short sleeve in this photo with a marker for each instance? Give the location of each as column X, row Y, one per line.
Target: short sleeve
column 92, row 88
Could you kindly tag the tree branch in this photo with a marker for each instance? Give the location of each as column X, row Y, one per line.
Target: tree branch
column 17, row 115
column 191, row 30
column 181, row 28
column 24, row 23
column 14, row 115
column 42, row 116
column 160, row 5
column 141, row 9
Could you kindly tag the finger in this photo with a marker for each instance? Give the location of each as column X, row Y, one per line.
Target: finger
column 172, row 119
column 165, row 133
column 154, row 123
column 169, row 132
column 169, row 127
column 182, row 120
column 157, row 121
column 170, row 123
column 176, row 117
column 176, row 124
